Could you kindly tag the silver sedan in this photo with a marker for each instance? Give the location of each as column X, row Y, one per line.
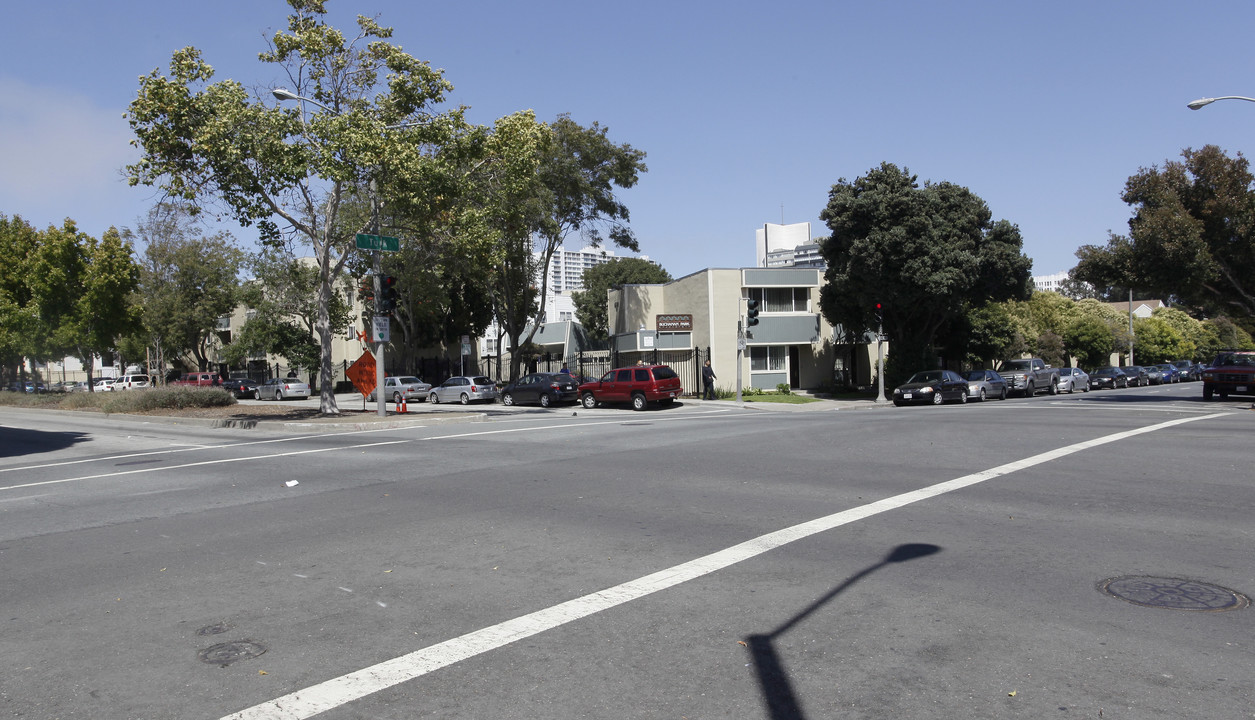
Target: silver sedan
column 1072, row 379
column 282, row 389
column 464, row 390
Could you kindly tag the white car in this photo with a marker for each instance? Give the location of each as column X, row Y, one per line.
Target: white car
column 104, row 385
column 128, row 382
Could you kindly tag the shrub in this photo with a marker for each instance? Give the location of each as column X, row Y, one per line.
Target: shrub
column 783, row 389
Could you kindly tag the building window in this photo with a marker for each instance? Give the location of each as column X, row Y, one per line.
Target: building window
column 768, row 359
column 782, row 300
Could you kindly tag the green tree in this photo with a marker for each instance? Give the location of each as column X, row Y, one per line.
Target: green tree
column 590, row 304
column 1156, row 341
column 81, row 288
column 187, row 282
column 18, row 244
column 283, row 168
column 1219, row 334
column 283, row 301
column 1191, row 237
column 1089, row 340
column 927, row 254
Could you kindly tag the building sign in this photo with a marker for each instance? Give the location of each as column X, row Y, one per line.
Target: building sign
column 672, row 323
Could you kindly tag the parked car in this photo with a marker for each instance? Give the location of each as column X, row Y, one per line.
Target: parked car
column 1108, row 377
column 1152, row 372
column 1030, row 376
column 403, row 386
column 1169, row 372
column 463, row 389
column 1189, row 369
column 197, row 379
column 544, row 388
column 241, row 387
column 104, row 385
column 131, row 382
column 1137, row 375
column 282, row 389
column 985, row 383
column 34, row 386
column 639, row 385
column 931, row 386
column 1231, row 373
column 1071, row 379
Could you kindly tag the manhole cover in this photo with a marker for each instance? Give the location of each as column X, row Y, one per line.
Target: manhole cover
column 1174, row 594
column 216, row 629
column 226, row 653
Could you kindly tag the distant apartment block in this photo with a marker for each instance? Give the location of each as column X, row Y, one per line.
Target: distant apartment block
column 1049, row 283
column 786, row 246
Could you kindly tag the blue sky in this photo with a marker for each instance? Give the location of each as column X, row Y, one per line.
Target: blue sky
column 749, row 112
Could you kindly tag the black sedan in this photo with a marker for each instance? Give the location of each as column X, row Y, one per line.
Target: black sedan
column 240, row 387
column 544, row 388
column 933, row 387
column 1108, row 377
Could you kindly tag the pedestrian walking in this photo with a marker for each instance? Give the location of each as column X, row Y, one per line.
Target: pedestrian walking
column 708, row 379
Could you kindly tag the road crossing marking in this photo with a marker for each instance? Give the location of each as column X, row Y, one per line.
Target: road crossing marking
column 339, row 691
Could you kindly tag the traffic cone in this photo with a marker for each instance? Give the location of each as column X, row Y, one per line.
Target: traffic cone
column 403, row 408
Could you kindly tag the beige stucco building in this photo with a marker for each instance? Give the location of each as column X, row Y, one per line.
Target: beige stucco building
column 791, row 343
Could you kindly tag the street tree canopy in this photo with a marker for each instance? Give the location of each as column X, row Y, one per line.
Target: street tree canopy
column 927, row 254
column 284, row 169
column 590, row 305
column 1191, row 237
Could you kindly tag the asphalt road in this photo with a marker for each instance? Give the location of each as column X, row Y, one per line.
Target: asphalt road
column 701, row 561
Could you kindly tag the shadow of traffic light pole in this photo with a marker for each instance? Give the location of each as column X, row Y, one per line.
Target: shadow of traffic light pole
column 778, row 694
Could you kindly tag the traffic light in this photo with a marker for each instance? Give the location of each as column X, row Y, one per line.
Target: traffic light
column 880, row 316
column 751, row 313
column 387, row 294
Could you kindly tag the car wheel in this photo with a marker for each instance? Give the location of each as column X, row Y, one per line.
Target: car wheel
column 1003, row 395
column 639, row 402
column 466, row 399
column 588, row 401
column 396, row 398
column 963, row 397
column 1029, row 390
column 1053, row 389
column 982, row 395
column 899, row 403
column 507, row 399
column 434, row 399
column 545, row 400
column 937, row 399
column 1208, row 393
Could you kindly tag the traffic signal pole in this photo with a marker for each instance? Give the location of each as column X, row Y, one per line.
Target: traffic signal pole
column 381, row 404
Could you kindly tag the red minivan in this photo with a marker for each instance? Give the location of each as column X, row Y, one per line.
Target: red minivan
column 639, row 385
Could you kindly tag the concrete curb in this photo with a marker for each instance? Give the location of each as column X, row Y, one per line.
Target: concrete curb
column 320, row 426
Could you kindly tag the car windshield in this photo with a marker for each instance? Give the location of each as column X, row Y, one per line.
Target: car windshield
column 925, row 377
column 1018, row 365
column 664, row 373
column 481, row 380
column 974, row 375
column 408, row 380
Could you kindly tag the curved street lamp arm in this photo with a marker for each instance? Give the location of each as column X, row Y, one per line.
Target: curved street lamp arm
column 1203, row 102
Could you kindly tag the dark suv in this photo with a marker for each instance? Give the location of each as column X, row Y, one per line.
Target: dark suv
column 1231, row 373
column 639, row 385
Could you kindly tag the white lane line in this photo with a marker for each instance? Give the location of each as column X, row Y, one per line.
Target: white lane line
column 220, row 461
column 346, row 688
column 190, row 448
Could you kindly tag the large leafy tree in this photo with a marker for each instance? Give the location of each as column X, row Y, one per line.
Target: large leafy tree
column 590, row 304
column 187, row 281
column 1191, row 237
column 926, row 254
column 288, row 170
column 18, row 243
column 81, row 289
column 283, row 311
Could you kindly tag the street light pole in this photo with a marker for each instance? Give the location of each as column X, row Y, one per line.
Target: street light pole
column 1204, row 102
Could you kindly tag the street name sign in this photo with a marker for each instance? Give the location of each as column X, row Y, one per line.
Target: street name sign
column 378, row 242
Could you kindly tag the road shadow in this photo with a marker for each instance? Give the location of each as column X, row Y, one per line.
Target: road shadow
column 773, row 680
column 15, row 441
